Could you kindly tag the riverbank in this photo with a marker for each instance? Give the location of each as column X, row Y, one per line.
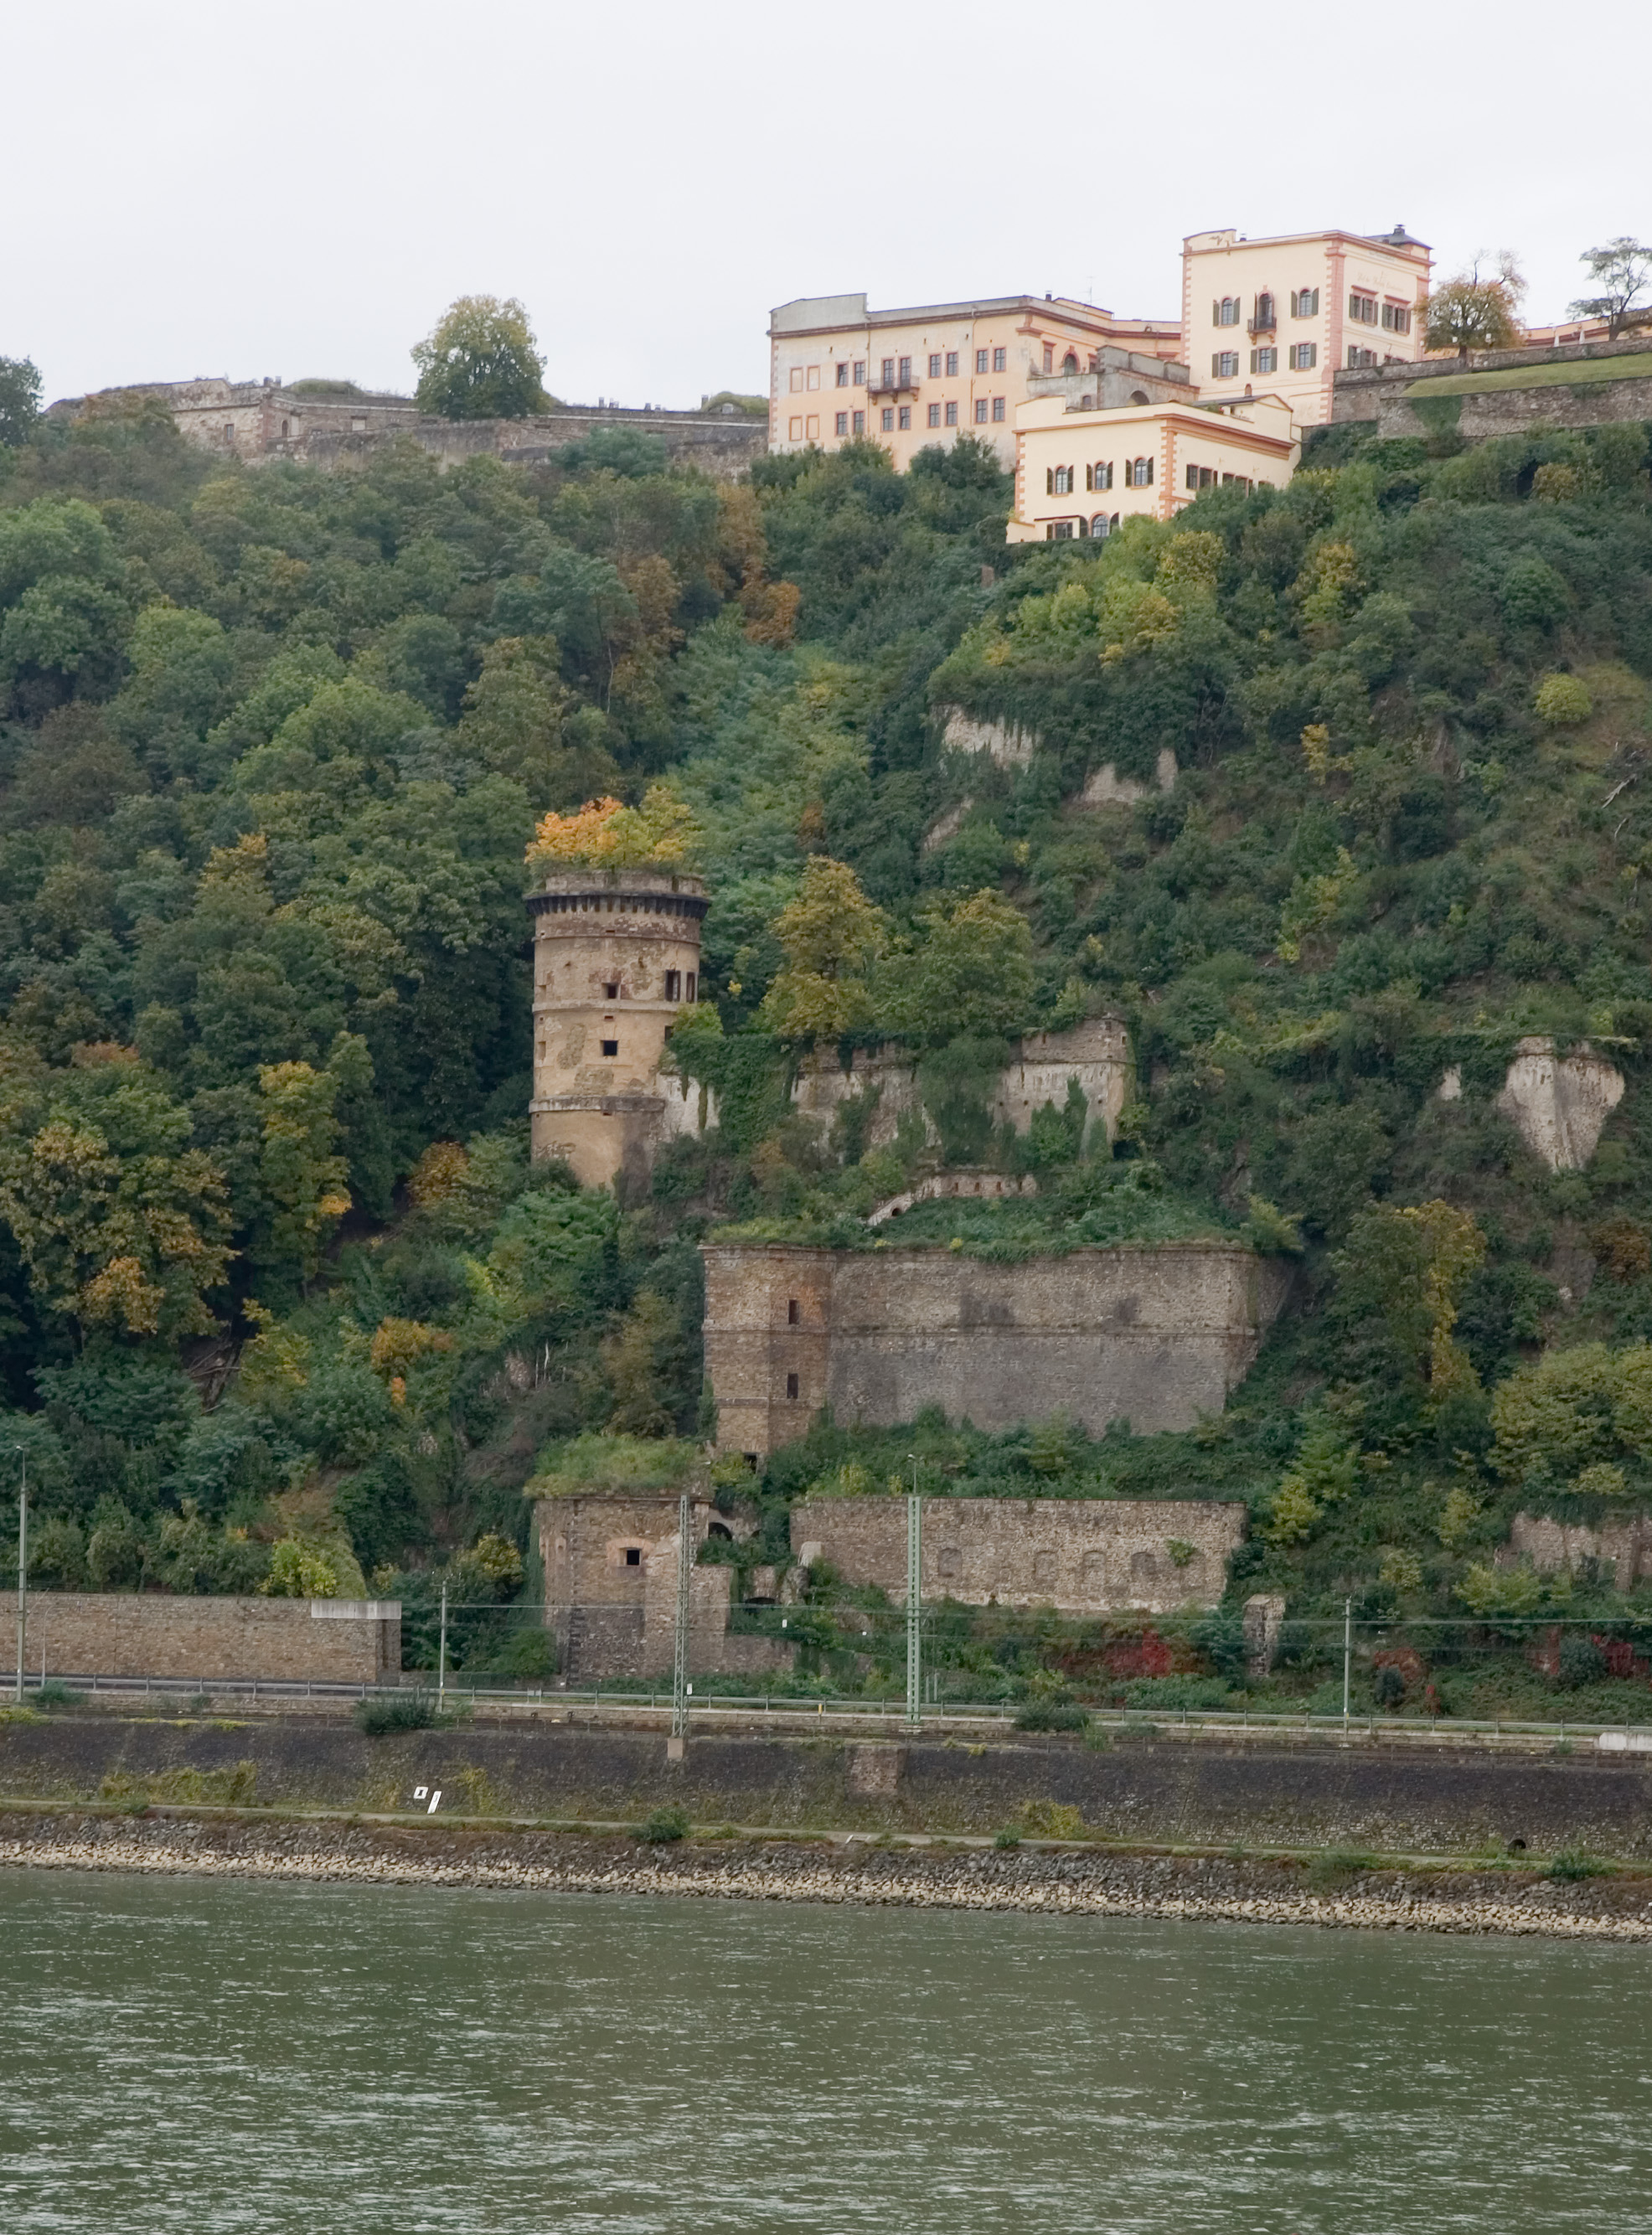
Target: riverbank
column 1051, row 1879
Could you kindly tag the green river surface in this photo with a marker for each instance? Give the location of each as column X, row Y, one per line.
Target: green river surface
column 204, row 2056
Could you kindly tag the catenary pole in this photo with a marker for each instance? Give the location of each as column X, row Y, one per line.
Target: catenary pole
column 680, row 1658
column 23, row 1566
column 441, row 1650
column 1347, row 1654
column 914, row 1610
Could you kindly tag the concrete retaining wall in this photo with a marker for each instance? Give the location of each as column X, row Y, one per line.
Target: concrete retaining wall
column 143, row 1633
column 1396, row 1798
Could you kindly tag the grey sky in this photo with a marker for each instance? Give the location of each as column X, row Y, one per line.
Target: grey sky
column 302, row 190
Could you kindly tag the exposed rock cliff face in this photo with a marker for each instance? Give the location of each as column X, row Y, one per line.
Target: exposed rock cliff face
column 1559, row 1104
column 1007, row 743
column 1106, row 788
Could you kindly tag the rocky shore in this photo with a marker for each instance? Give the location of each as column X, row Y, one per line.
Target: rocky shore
column 1046, row 1879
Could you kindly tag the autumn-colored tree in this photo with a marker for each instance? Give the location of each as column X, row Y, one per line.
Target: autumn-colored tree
column 1470, row 313
column 122, row 1223
column 831, row 936
column 301, row 1176
column 605, row 834
column 1402, row 1276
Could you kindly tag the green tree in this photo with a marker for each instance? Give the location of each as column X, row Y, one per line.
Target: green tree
column 830, row 936
column 300, row 1175
column 20, row 393
column 1622, row 271
column 971, row 973
column 1471, row 314
column 481, row 362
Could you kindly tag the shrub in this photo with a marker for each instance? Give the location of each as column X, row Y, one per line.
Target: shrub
column 396, row 1711
column 1052, row 1715
column 1582, row 1661
column 1007, row 1836
column 54, row 1693
column 1563, row 700
column 1572, row 1864
column 661, row 1825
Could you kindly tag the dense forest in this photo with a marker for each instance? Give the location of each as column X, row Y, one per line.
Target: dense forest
column 286, row 1306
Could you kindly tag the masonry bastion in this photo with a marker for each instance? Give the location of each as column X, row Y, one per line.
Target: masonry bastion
column 1157, row 1335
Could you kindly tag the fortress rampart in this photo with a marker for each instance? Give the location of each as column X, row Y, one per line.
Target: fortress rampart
column 1156, row 1335
column 1503, row 391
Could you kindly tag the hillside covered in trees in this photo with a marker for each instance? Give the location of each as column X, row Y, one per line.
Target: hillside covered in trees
column 286, row 1306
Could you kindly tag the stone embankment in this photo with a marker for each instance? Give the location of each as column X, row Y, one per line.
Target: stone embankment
column 1046, row 1879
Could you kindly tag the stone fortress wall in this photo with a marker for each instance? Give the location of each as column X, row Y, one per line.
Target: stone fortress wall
column 1489, row 398
column 258, row 420
column 1157, row 1335
column 1081, row 1555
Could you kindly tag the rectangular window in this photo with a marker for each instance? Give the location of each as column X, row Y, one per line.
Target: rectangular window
column 791, row 1385
column 1362, row 309
column 858, row 422
column 1302, row 357
column 935, row 415
column 674, row 985
column 1264, row 360
column 1000, row 361
column 952, row 415
column 812, row 427
column 981, row 410
column 814, row 376
column 998, row 407
column 886, row 419
column 935, row 365
column 792, row 1313
column 1049, row 357
column 842, row 422
column 688, row 989
column 980, row 360
column 794, row 430
column 610, row 1047
column 860, row 372
column 1201, row 477
column 1359, row 358
column 952, row 364
column 1305, row 303
column 1058, row 531
column 1396, row 318
column 888, row 380
column 633, row 1556
column 905, row 418
column 842, row 376
column 796, row 380
column 1225, row 365
column 906, row 372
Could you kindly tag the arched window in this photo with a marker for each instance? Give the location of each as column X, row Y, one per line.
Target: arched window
column 1101, row 525
column 1100, row 476
column 1139, row 473
column 1058, row 481
column 1137, row 396
column 1226, row 312
column 1070, row 363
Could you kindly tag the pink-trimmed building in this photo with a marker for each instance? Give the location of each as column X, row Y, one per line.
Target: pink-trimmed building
column 1082, row 473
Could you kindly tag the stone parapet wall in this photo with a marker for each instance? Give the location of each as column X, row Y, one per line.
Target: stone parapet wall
column 1157, row 1335
column 144, row 1634
column 1488, row 397
column 1079, row 1555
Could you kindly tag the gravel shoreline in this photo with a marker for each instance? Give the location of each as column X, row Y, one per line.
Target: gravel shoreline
column 1050, row 1882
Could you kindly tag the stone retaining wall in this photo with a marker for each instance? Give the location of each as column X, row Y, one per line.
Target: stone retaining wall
column 144, row 1634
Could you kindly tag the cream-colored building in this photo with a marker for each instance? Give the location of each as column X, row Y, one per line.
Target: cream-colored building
column 1282, row 316
column 1083, row 473
column 839, row 372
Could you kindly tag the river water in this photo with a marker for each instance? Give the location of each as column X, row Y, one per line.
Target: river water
column 201, row 2056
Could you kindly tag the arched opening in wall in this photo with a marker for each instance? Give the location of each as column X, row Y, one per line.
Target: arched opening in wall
column 1138, row 395
column 1070, row 363
column 1101, row 525
column 721, row 1529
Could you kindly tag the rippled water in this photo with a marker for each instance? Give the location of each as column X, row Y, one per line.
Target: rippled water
column 199, row 2056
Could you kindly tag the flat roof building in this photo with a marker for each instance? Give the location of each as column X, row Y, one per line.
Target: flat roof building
column 1084, row 472
column 839, row 372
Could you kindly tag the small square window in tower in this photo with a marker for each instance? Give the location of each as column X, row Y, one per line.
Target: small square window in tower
column 791, row 1385
column 610, row 1047
column 674, row 985
column 633, row 1556
column 611, row 992
column 792, row 1311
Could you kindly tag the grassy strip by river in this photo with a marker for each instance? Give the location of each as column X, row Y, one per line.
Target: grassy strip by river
column 1329, row 1890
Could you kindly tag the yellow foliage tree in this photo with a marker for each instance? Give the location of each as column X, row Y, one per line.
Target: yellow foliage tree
column 606, row 835
column 830, row 936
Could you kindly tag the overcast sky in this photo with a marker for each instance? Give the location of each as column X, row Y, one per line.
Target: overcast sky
column 301, row 190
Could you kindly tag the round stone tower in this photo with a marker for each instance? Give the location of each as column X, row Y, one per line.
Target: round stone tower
column 616, row 955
